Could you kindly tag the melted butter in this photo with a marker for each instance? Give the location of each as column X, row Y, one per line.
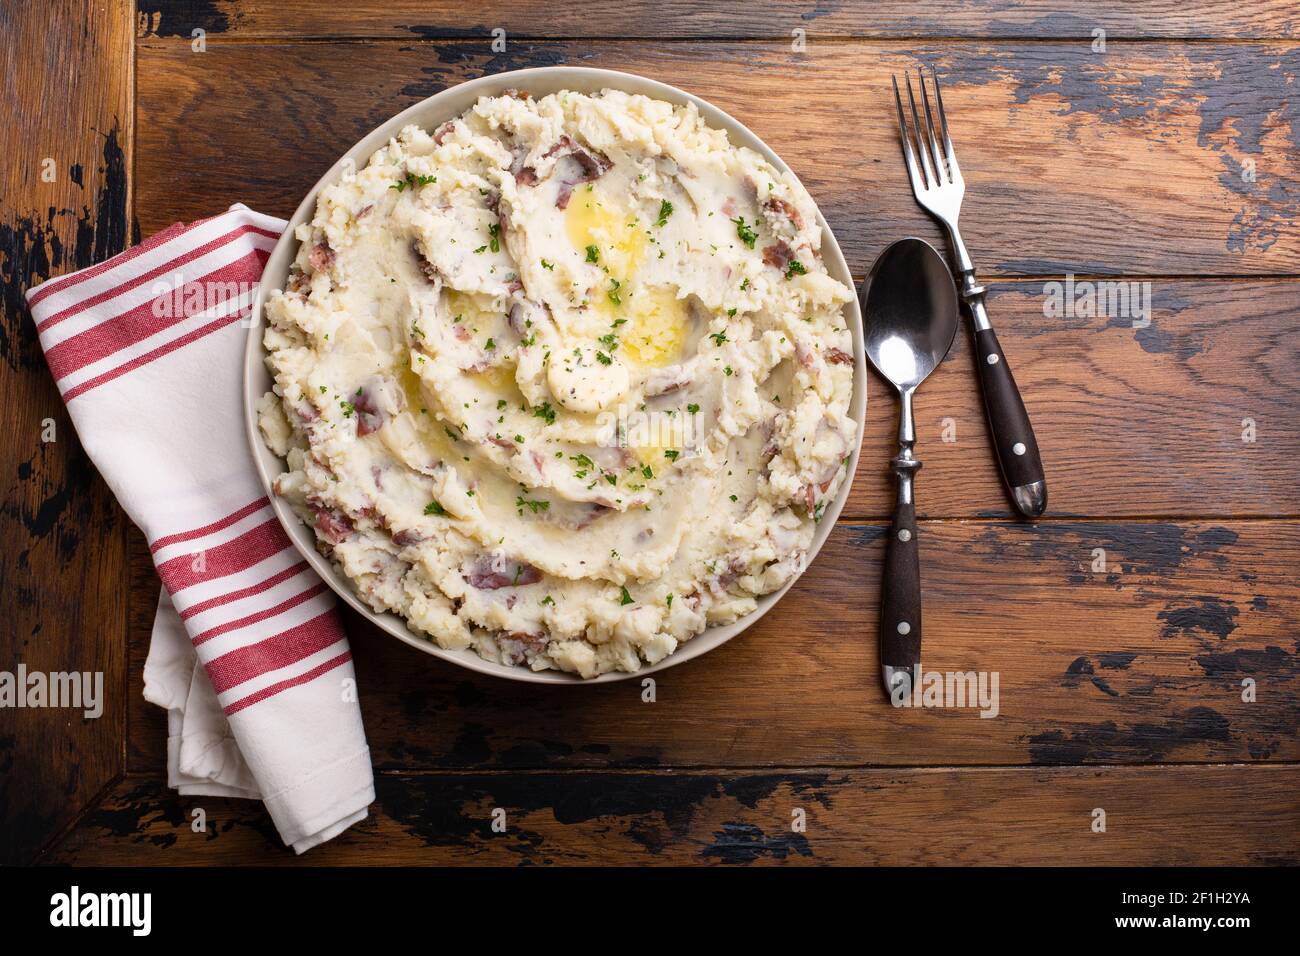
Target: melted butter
column 468, row 308
column 652, row 434
column 591, row 220
column 500, row 381
column 431, row 431
column 652, row 454
column 655, row 332
column 654, row 320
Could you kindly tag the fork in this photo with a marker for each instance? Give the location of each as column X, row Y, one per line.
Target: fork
column 938, row 186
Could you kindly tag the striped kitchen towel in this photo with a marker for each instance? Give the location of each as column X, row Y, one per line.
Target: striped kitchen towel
column 248, row 654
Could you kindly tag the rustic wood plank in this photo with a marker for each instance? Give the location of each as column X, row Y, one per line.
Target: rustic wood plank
column 1129, row 162
column 688, row 18
column 1155, row 816
column 67, row 114
column 1191, row 414
column 1141, row 663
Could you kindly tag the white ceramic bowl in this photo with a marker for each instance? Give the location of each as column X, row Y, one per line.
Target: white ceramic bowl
column 429, row 114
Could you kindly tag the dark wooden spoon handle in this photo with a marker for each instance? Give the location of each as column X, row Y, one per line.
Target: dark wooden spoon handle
column 900, row 597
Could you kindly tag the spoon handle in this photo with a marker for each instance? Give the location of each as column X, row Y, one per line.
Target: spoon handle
column 900, row 598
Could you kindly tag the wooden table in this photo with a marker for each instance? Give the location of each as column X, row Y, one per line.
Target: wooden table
column 1123, row 626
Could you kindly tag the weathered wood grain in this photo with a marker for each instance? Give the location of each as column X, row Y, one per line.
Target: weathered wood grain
column 768, row 19
column 1192, row 414
column 1153, row 815
column 1135, row 161
column 66, row 114
column 1141, row 663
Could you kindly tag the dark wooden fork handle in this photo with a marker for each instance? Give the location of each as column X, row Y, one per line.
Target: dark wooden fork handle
column 1013, row 436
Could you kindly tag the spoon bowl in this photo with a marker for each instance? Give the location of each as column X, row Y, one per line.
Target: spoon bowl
column 910, row 312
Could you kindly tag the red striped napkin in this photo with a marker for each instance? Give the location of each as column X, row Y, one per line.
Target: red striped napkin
column 248, row 654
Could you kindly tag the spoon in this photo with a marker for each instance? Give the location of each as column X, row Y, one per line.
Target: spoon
column 910, row 313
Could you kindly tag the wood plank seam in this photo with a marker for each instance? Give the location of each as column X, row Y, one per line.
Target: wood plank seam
column 154, row 40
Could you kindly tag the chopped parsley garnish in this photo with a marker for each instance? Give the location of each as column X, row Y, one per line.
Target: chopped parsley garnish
column 670, row 600
column 593, row 254
column 490, row 344
column 671, row 454
column 348, row 408
column 624, row 597
column 610, row 341
column 647, row 471
column 450, row 434
column 545, row 411
column 494, row 231
column 744, row 285
column 727, row 370
column 582, row 461
column 534, row 506
column 549, row 600
column 692, row 408
column 413, row 181
column 745, row 232
column 665, row 210
column 479, row 249
column 433, row 508
column 719, row 338
column 613, row 292
column 501, row 403
column 548, row 265
column 604, row 359
column 796, row 269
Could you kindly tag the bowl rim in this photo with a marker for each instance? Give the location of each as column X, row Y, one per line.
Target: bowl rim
column 428, row 113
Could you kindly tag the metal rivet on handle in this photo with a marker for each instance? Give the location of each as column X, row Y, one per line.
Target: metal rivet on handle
column 904, row 535
column 993, row 359
column 904, row 628
column 1018, row 448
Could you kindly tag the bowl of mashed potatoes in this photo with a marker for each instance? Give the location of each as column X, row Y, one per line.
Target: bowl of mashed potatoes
column 558, row 375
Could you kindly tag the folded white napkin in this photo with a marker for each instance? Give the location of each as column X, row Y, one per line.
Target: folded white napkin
column 248, row 655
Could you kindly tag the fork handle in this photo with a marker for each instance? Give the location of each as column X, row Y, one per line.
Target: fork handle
column 1013, row 435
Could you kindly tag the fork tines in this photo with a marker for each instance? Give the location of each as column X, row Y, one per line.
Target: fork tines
column 938, row 166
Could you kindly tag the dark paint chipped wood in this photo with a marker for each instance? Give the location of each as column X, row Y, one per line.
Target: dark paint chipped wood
column 1089, row 668
column 1155, row 815
column 1033, row 122
column 67, row 110
column 39, row 245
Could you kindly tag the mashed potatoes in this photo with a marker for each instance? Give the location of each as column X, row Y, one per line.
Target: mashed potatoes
column 563, row 380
